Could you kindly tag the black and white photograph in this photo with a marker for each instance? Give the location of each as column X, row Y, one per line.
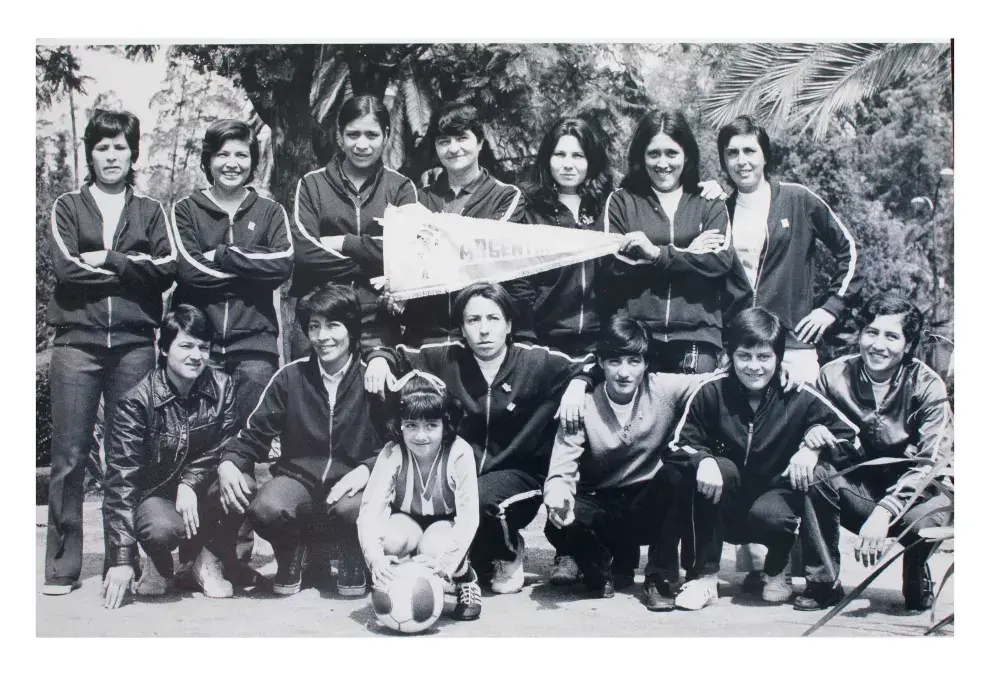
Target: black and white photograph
column 473, row 339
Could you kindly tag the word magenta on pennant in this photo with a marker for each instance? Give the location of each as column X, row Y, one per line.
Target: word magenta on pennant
column 428, row 253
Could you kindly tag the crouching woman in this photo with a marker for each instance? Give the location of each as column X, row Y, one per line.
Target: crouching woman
column 162, row 459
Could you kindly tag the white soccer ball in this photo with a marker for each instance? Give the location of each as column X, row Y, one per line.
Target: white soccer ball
column 413, row 600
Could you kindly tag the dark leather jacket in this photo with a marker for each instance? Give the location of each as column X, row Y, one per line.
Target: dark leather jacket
column 160, row 440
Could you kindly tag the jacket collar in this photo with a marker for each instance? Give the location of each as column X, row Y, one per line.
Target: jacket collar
column 474, row 381
column 442, row 185
column 87, row 195
column 739, row 395
column 601, row 400
column 163, row 391
column 863, row 386
column 730, row 203
column 211, row 207
column 334, row 172
column 314, row 371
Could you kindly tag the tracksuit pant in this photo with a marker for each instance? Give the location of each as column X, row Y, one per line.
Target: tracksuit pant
column 848, row 501
column 508, row 500
column 79, row 375
column 769, row 514
column 609, row 520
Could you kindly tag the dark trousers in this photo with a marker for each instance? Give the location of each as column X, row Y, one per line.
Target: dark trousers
column 508, row 499
column 683, row 356
column 848, row 501
column 79, row 376
column 160, row 530
column 610, row 520
column 251, row 372
column 767, row 514
column 286, row 513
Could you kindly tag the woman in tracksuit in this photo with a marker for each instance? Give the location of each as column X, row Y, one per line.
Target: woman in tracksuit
column 673, row 262
column 113, row 258
column 743, row 446
column 234, row 254
column 509, row 392
column 903, row 411
column 337, row 238
column 775, row 227
column 463, row 187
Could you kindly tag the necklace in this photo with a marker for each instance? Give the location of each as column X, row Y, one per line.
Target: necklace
column 429, row 475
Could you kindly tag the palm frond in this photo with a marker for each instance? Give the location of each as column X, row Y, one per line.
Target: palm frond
column 394, row 153
column 417, row 108
column 740, row 89
column 329, row 91
column 945, row 622
column 934, row 474
column 941, row 587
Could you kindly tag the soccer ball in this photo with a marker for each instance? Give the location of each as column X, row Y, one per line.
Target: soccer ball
column 413, row 600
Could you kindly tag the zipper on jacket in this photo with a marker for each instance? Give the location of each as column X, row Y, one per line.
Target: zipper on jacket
column 749, row 442
column 113, row 243
column 357, row 214
column 759, row 265
column 583, row 292
column 670, row 289
column 488, row 418
column 226, row 303
column 326, row 470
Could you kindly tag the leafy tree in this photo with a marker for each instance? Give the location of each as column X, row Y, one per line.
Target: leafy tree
column 57, row 75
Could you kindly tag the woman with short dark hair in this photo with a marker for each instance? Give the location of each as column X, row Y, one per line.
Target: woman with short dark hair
column 113, row 257
column 234, row 254
column 902, row 409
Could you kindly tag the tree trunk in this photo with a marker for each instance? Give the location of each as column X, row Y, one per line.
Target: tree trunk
column 75, row 141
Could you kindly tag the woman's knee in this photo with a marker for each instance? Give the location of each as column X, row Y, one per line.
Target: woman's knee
column 436, row 539
column 158, row 525
column 402, row 535
column 347, row 508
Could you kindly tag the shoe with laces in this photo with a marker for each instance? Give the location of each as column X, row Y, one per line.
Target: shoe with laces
column 776, row 589
column 508, row 576
column 819, row 595
column 152, row 582
column 351, row 580
column 288, row 577
column 698, row 593
column 208, row 573
column 468, row 601
column 659, row 597
column 565, row 571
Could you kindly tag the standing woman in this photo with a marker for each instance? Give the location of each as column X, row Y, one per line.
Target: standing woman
column 113, row 257
column 337, row 237
column 776, row 225
column 464, row 187
column 234, row 254
column 676, row 254
column 568, row 187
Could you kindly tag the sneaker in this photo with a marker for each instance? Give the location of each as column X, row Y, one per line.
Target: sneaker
column 918, row 588
column 776, row 589
column 468, row 601
column 351, row 580
column 508, row 576
column 565, row 570
column 698, row 593
column 60, row 586
column 659, row 595
column 624, row 579
column 597, row 573
column 819, row 595
column 152, row 582
column 208, row 573
column 288, row 577
column 753, row 582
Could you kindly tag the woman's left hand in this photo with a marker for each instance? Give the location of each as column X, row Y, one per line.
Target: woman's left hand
column 811, row 329
column 571, row 410
column 711, row 190
column 333, row 242
column 349, row 484
column 186, row 505
column 801, row 469
column 638, row 245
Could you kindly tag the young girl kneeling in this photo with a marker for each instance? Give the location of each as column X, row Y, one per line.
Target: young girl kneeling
column 422, row 498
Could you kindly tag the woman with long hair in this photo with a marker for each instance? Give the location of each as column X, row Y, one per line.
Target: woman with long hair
column 113, row 257
column 337, row 238
column 672, row 265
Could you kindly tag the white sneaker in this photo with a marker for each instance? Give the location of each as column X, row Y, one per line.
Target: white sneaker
column 776, row 589
column 152, row 582
column 696, row 594
column 509, row 576
column 208, row 573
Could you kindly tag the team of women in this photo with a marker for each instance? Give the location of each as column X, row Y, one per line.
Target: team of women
column 669, row 396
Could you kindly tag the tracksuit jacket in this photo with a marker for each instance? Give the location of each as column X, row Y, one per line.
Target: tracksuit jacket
column 602, row 454
column 785, row 277
column 327, row 205
column 120, row 304
column 429, row 318
column 914, row 421
column 678, row 296
column 319, row 445
column 509, row 423
column 561, row 304
column 718, row 420
column 161, row 440
column 239, row 288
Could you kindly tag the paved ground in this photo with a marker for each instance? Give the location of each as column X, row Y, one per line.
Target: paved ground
column 540, row 610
